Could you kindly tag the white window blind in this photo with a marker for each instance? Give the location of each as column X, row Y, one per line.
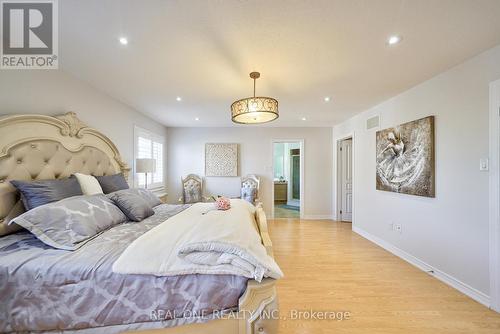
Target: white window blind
column 149, row 146
column 158, row 156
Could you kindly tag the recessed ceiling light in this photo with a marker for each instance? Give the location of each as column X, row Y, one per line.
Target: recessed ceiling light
column 304, row 119
column 395, row 39
column 327, row 99
column 178, row 99
column 123, row 41
column 196, row 119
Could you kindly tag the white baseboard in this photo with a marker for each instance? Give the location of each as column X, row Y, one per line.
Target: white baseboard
column 440, row 275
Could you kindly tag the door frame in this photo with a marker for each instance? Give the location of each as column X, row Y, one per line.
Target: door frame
column 494, row 195
column 337, row 177
column 302, row 154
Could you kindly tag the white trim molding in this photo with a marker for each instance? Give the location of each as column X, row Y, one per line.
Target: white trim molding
column 440, row 275
column 494, row 195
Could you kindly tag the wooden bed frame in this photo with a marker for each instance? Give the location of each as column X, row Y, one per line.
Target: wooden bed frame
column 42, row 147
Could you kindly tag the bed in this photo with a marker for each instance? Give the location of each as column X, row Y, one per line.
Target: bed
column 43, row 289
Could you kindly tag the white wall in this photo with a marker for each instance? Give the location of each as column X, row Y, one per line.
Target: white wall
column 52, row 92
column 449, row 232
column 185, row 154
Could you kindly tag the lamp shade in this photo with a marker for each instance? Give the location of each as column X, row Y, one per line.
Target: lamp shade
column 256, row 109
column 145, row 165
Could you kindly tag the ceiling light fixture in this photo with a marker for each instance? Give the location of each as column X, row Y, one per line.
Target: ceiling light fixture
column 178, row 99
column 327, row 99
column 123, row 41
column 304, row 119
column 395, row 39
column 196, row 119
column 256, row 109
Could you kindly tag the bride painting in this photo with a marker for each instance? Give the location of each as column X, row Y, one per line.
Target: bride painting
column 405, row 158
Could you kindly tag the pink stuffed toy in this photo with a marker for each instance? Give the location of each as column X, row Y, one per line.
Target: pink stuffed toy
column 223, row 203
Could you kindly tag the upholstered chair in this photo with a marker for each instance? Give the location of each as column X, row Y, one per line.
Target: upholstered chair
column 192, row 189
column 250, row 188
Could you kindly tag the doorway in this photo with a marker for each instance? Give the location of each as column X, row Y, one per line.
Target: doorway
column 287, row 178
column 344, row 180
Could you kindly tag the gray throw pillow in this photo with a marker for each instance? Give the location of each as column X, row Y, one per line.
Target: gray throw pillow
column 42, row 192
column 135, row 207
column 112, row 183
column 147, row 195
column 71, row 222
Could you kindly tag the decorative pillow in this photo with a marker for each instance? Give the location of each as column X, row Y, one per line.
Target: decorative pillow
column 248, row 194
column 112, row 183
column 42, row 192
column 71, row 222
column 135, row 207
column 223, row 203
column 89, row 184
column 147, row 195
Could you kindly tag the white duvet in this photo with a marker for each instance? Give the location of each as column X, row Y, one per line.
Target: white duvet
column 202, row 240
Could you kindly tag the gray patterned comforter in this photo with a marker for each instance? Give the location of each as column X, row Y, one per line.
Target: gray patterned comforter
column 45, row 289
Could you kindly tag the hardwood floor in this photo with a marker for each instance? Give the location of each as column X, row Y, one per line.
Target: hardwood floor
column 329, row 268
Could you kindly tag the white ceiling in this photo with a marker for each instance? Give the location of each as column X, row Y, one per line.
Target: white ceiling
column 305, row 50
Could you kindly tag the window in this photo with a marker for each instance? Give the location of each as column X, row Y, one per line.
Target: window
column 149, row 145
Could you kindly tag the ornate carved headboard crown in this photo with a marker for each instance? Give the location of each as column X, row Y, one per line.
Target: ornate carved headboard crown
column 35, row 147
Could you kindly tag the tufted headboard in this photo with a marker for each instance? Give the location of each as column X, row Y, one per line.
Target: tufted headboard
column 36, row 147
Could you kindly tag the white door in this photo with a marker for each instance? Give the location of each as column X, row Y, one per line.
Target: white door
column 346, row 171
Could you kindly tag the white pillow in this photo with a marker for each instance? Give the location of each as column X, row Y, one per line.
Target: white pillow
column 89, row 184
